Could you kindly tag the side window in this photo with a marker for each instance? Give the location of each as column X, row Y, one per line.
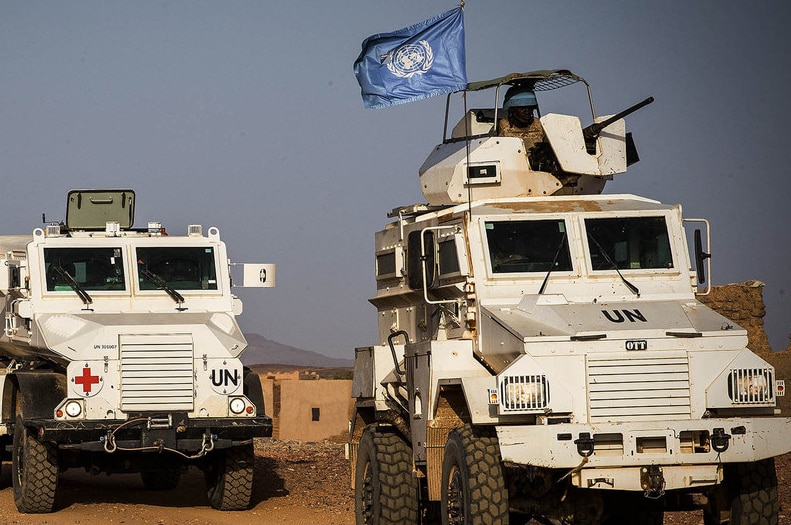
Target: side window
column 14, row 276
column 180, row 267
column 448, row 257
column 631, row 243
column 528, row 246
column 92, row 269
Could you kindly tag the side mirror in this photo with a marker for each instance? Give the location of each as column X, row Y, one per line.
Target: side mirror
column 700, row 257
column 421, row 260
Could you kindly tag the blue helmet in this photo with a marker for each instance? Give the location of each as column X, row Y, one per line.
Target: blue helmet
column 517, row 96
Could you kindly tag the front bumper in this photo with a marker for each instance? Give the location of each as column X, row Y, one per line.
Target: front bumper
column 615, row 455
column 179, row 433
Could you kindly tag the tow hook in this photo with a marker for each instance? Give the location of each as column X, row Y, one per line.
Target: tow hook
column 653, row 481
column 720, row 440
column 584, row 444
column 109, row 442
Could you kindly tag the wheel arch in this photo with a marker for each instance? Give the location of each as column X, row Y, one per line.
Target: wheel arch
column 35, row 393
column 451, row 412
column 254, row 390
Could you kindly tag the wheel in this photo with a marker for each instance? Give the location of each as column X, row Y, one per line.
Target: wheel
column 386, row 490
column 161, row 479
column 473, row 486
column 229, row 478
column 752, row 494
column 34, row 471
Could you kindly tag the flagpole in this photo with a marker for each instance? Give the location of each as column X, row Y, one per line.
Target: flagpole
column 467, row 141
column 467, row 151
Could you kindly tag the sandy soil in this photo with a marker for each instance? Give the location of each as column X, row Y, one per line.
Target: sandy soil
column 296, row 484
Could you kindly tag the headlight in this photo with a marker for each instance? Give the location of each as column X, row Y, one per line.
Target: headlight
column 750, row 385
column 524, row 392
column 72, row 408
column 237, row 405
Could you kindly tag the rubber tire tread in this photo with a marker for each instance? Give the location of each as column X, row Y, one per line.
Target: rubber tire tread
column 756, row 500
column 35, row 480
column 476, row 452
column 230, row 479
column 394, row 485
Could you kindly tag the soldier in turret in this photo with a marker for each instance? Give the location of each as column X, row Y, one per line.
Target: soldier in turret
column 522, row 120
column 521, row 108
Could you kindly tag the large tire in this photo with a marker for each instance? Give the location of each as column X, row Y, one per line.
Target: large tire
column 161, row 479
column 386, row 489
column 34, row 473
column 473, row 485
column 229, row 478
column 752, row 494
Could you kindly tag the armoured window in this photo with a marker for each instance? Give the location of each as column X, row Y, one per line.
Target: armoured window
column 386, row 264
column 528, row 246
column 91, row 269
column 630, row 243
column 448, row 257
column 180, row 267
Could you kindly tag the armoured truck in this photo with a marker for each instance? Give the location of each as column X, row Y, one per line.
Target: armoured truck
column 120, row 353
column 541, row 349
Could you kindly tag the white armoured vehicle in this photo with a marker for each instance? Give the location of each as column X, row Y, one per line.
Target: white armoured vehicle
column 120, row 353
column 541, row 350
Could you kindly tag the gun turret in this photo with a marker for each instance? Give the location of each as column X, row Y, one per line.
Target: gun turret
column 591, row 133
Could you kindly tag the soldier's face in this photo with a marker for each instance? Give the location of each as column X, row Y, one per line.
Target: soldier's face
column 523, row 114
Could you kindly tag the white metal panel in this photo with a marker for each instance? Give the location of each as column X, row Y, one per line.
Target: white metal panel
column 564, row 133
column 612, row 147
column 645, row 386
column 156, row 372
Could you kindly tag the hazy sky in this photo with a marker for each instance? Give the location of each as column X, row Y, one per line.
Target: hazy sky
column 246, row 115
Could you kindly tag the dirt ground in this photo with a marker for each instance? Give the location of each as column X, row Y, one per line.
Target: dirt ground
column 296, row 484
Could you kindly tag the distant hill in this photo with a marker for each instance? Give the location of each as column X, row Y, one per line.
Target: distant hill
column 261, row 350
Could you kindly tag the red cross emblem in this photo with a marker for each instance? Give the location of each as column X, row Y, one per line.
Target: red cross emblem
column 86, row 380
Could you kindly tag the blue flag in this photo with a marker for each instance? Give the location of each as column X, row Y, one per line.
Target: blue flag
column 416, row 62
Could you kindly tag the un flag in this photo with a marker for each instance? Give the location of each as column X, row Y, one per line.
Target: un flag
column 416, row 62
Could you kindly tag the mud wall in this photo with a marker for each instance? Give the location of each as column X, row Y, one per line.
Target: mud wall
column 308, row 410
column 743, row 303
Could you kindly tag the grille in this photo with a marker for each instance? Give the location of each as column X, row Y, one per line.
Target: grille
column 156, row 372
column 523, row 392
column 640, row 387
column 751, row 386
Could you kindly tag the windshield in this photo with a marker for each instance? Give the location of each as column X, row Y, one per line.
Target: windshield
column 629, row 243
column 179, row 267
column 528, row 246
column 91, row 268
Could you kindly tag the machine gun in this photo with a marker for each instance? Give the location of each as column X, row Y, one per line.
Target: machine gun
column 591, row 133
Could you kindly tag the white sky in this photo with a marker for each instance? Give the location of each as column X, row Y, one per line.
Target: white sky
column 246, row 115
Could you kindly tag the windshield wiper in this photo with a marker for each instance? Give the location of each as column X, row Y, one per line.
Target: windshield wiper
column 554, row 262
column 159, row 281
column 78, row 289
column 629, row 285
